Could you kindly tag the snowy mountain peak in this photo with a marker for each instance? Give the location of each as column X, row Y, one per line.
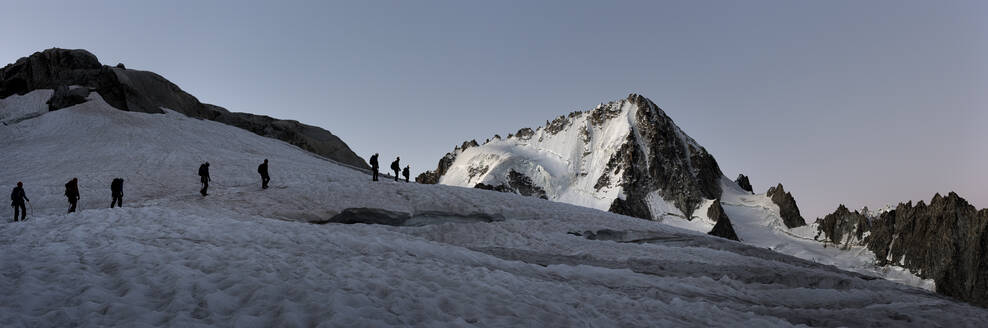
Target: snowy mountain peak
column 626, row 156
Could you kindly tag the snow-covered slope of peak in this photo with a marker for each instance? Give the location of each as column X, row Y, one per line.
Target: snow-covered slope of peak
column 757, row 222
column 240, row 257
column 565, row 160
column 20, row 107
column 629, row 151
column 625, row 156
column 585, row 159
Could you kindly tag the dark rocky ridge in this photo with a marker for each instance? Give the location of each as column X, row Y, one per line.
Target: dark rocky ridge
column 141, row 91
column 683, row 178
column 946, row 241
column 787, row 206
column 723, row 228
column 843, row 227
column 743, row 182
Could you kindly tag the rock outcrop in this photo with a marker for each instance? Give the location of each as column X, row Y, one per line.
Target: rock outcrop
column 516, row 183
column 432, row 177
column 669, row 163
column 743, row 182
column 72, row 72
column 787, row 206
column 843, row 227
column 946, row 241
column 723, row 228
column 64, row 96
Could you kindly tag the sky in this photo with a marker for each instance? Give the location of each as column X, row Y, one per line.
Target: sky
column 863, row 103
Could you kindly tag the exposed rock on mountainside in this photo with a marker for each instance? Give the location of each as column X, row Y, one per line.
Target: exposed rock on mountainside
column 946, row 241
column 628, row 147
column 517, row 183
column 787, row 206
column 723, row 228
column 675, row 166
column 65, row 97
column 743, row 182
column 432, row 177
column 71, row 73
column 843, row 227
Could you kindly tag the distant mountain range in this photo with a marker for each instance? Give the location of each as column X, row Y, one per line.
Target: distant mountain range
column 625, row 156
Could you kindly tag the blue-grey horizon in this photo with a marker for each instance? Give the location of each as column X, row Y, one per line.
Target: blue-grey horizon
column 844, row 102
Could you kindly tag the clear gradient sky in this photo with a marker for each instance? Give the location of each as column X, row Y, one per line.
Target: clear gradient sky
column 854, row 102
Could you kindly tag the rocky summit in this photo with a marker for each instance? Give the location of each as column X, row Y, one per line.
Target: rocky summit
column 723, row 228
column 626, row 156
column 73, row 74
column 787, row 206
column 843, row 227
column 743, row 182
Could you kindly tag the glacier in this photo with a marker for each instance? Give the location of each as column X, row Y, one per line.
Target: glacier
column 248, row 257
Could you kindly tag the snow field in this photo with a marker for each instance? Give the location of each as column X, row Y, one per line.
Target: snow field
column 562, row 163
column 245, row 257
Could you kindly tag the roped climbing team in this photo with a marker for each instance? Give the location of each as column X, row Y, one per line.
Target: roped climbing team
column 18, row 196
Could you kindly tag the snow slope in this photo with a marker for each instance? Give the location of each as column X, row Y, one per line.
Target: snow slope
column 562, row 163
column 19, row 107
column 757, row 222
column 245, row 257
column 567, row 164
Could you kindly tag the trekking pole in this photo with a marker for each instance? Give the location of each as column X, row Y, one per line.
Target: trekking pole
column 31, row 207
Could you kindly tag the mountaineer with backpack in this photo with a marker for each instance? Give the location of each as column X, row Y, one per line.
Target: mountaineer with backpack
column 204, row 178
column 263, row 170
column 72, row 193
column 17, row 198
column 395, row 166
column 374, row 166
column 116, row 191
